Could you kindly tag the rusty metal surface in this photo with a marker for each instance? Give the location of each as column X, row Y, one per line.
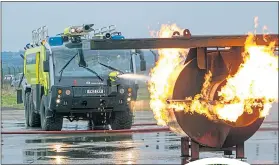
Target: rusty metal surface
column 174, row 125
column 199, row 128
column 180, row 42
column 237, row 135
column 203, row 131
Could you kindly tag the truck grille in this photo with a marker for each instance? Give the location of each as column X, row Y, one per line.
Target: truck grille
column 90, row 91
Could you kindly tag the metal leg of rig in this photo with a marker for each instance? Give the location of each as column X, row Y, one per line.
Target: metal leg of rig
column 185, row 147
column 195, row 150
column 240, row 151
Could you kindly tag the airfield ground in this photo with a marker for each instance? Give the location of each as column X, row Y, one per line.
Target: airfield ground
column 137, row 148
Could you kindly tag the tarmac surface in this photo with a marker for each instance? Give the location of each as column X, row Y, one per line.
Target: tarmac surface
column 128, row 148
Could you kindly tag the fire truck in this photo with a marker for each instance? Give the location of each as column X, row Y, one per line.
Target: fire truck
column 64, row 78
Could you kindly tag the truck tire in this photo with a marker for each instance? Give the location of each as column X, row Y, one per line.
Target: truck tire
column 122, row 120
column 54, row 123
column 26, row 109
column 34, row 118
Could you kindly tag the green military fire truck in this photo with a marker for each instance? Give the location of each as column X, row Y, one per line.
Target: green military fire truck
column 64, row 78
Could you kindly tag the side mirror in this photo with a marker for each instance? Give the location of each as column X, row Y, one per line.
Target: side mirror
column 46, row 66
column 142, row 65
column 19, row 96
column 22, row 56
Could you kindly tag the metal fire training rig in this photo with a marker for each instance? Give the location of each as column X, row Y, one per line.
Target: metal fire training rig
column 222, row 56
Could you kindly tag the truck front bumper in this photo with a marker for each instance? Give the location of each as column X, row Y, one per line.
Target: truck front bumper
column 90, row 104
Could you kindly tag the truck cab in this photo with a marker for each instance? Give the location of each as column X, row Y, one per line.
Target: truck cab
column 65, row 79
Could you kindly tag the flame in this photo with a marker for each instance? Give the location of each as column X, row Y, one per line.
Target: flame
column 163, row 74
column 254, row 85
column 256, row 79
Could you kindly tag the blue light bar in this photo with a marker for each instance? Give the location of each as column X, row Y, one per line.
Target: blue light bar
column 55, row 41
column 117, row 37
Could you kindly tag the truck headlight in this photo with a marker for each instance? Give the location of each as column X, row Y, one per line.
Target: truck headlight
column 68, row 92
column 57, row 101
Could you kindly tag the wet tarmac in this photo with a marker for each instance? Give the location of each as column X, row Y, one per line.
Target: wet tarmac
column 138, row 148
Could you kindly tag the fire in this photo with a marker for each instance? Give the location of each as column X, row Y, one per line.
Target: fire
column 254, row 84
column 163, row 75
column 256, row 79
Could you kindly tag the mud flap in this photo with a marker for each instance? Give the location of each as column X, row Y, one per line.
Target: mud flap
column 19, row 96
column 49, row 113
column 38, row 97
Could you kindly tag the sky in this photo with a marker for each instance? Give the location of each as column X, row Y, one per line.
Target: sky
column 134, row 18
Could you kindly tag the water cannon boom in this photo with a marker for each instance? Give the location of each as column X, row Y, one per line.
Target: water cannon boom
column 78, row 30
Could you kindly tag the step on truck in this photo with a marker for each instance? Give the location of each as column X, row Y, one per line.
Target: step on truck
column 64, row 78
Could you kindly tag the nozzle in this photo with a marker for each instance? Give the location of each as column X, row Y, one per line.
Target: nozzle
column 108, row 35
column 114, row 75
column 88, row 26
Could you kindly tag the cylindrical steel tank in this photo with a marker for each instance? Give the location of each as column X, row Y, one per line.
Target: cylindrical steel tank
column 206, row 132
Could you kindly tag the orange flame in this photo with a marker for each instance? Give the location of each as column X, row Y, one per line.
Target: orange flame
column 163, row 75
column 256, row 79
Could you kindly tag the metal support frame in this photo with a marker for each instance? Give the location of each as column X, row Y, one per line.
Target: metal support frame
column 185, row 146
column 195, row 149
column 240, row 151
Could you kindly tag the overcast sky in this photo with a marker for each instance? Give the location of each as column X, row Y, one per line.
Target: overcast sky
column 133, row 18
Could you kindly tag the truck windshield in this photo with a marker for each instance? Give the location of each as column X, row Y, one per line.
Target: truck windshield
column 119, row 59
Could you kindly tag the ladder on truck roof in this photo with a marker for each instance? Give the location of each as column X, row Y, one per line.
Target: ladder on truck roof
column 106, row 31
column 39, row 35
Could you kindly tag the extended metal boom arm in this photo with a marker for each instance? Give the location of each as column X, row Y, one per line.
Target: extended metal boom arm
column 179, row 42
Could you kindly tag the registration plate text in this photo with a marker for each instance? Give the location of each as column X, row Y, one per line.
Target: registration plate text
column 95, row 91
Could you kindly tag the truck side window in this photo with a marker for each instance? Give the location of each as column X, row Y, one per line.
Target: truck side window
column 31, row 59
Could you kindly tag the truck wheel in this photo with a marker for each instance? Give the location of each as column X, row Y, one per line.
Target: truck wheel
column 34, row 118
column 26, row 109
column 49, row 123
column 122, row 120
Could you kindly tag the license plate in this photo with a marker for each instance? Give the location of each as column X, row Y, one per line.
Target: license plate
column 95, row 91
